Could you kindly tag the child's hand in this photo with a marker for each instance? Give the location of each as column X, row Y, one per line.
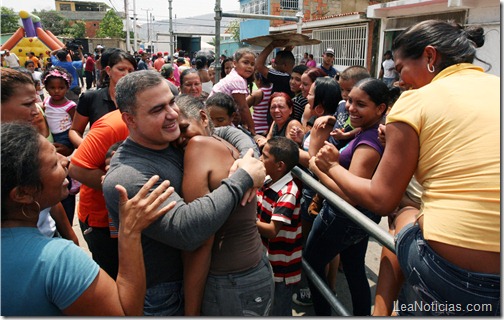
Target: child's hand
column 321, row 122
column 338, row 134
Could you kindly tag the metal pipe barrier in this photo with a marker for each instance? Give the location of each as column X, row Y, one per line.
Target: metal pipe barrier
column 356, row 216
column 325, row 291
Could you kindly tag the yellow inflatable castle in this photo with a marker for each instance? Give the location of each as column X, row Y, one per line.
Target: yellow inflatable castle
column 31, row 38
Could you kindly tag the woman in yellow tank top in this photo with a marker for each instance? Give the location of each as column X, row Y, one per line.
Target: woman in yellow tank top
column 449, row 250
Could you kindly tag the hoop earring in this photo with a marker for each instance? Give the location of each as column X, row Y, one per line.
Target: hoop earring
column 429, row 68
column 24, row 213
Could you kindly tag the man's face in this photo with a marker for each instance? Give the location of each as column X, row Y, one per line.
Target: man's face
column 328, row 58
column 155, row 124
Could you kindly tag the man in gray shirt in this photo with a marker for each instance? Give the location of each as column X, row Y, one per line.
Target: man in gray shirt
column 149, row 110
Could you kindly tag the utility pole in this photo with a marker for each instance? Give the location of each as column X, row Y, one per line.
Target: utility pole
column 148, row 33
column 171, row 30
column 152, row 30
column 128, row 42
column 218, row 18
column 134, row 26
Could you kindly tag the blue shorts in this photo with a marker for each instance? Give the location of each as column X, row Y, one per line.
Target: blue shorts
column 63, row 138
column 434, row 286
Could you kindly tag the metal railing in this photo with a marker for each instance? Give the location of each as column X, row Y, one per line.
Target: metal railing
column 356, row 216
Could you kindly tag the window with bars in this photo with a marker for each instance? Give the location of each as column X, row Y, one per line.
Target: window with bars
column 349, row 43
column 255, row 7
column 289, row 4
column 65, row 7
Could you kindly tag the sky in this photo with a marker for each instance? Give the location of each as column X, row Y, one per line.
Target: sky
column 159, row 8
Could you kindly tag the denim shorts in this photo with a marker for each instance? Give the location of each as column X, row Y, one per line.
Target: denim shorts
column 434, row 286
column 63, row 138
column 247, row 293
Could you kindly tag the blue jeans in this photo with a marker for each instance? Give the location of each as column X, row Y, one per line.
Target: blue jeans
column 282, row 303
column 434, row 286
column 248, row 293
column 389, row 81
column 306, row 198
column 333, row 233
column 164, row 299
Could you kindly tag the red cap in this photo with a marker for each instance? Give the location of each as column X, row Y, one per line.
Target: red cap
column 140, row 51
column 159, row 54
column 165, row 53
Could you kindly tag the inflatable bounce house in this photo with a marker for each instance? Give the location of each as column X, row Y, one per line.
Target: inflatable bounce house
column 31, row 38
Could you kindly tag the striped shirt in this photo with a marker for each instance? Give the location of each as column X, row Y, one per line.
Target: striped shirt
column 280, row 202
column 260, row 113
column 299, row 103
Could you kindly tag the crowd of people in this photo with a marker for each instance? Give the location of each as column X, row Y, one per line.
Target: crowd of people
column 186, row 197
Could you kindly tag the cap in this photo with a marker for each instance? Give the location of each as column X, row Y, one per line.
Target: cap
column 181, row 60
column 99, row 46
column 165, row 53
column 2, row 52
column 329, row 51
column 140, row 51
column 175, row 54
column 159, row 54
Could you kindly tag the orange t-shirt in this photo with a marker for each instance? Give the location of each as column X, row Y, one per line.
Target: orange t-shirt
column 106, row 131
column 35, row 61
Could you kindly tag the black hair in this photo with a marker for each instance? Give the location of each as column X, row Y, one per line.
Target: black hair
column 20, row 159
column 263, row 79
column 284, row 149
column 454, row 43
column 61, row 55
column 223, row 101
column 327, row 94
column 112, row 149
column 377, row 91
column 286, row 57
column 201, row 62
column 110, row 57
column 27, row 62
column 48, row 74
column 301, row 68
column 223, row 64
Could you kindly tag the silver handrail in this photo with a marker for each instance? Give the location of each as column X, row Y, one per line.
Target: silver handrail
column 355, row 215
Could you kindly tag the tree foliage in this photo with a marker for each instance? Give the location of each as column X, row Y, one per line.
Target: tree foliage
column 76, row 30
column 53, row 21
column 234, row 29
column 111, row 26
column 9, row 20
